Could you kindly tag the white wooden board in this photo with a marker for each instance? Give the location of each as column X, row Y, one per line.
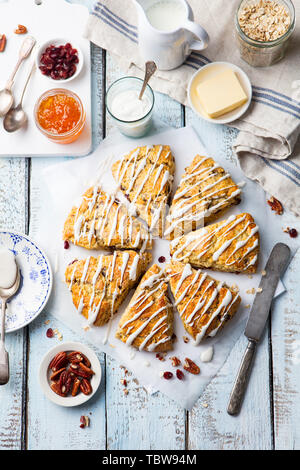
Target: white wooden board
column 52, row 19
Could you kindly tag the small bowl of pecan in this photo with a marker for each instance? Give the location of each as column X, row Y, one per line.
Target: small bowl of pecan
column 70, row 374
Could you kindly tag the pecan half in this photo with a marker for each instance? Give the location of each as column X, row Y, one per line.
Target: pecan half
column 85, row 387
column 56, row 389
column 58, row 361
column 2, row 42
column 65, row 382
column 275, row 205
column 75, row 388
column 21, row 29
column 175, row 361
column 191, row 367
column 56, row 374
column 86, row 369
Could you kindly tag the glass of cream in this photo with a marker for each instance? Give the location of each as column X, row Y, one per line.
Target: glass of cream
column 131, row 115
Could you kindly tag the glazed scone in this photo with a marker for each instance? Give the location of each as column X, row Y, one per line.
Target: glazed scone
column 101, row 221
column 145, row 175
column 147, row 323
column 205, row 191
column 231, row 246
column 203, row 303
column 99, row 285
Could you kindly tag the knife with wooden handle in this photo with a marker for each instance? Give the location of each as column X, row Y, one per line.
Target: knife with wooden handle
column 275, row 266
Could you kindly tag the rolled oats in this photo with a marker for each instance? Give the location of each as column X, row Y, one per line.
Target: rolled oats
column 264, row 27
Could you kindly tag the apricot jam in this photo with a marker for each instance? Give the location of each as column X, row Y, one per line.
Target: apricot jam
column 60, row 116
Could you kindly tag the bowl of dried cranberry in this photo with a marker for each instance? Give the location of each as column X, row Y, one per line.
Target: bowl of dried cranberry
column 70, row 374
column 59, row 60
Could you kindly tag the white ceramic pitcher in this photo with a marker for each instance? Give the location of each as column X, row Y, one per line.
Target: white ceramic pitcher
column 168, row 49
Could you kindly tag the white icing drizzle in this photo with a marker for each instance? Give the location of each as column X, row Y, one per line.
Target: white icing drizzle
column 205, row 239
column 133, row 268
column 181, row 211
column 204, row 302
column 109, row 210
column 153, row 284
column 124, row 265
column 207, row 354
column 85, row 269
column 135, row 172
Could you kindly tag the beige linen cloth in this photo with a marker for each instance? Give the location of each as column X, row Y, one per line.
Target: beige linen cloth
column 266, row 145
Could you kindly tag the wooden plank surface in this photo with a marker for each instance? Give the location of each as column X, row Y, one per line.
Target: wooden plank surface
column 13, row 216
column 139, row 420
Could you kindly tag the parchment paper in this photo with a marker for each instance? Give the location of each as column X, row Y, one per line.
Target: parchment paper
column 61, row 185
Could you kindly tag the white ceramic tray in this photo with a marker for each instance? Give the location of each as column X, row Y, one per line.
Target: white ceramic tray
column 51, row 19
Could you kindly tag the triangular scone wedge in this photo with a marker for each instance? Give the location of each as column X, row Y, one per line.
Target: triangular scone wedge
column 231, row 246
column 205, row 191
column 145, row 175
column 99, row 285
column 101, row 221
column 203, row 303
column 147, row 323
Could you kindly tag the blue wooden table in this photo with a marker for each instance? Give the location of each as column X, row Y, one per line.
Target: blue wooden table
column 270, row 417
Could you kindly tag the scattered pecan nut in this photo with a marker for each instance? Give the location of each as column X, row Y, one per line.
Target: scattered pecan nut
column 2, row 42
column 21, row 29
column 191, row 367
column 84, row 421
column 275, row 205
column 175, row 361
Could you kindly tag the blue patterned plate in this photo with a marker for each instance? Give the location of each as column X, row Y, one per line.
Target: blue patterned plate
column 36, row 280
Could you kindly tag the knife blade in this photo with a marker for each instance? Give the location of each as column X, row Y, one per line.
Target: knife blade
column 275, row 266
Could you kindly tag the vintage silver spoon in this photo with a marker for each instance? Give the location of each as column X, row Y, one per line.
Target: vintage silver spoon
column 6, row 96
column 16, row 117
column 150, row 69
column 5, row 294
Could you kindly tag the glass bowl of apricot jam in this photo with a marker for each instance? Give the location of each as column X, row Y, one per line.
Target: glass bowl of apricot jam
column 59, row 115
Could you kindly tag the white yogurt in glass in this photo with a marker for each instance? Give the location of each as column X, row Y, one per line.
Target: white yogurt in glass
column 127, row 106
column 8, row 268
column 166, row 15
column 131, row 115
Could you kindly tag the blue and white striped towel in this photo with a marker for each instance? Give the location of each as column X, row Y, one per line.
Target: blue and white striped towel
column 266, row 145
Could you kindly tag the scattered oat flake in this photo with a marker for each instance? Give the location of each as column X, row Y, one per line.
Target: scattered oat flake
column 263, row 273
column 247, row 306
column 147, row 363
column 47, row 322
column 250, row 276
column 161, row 374
column 126, row 391
column 132, row 355
column 259, row 289
column 205, row 405
column 86, row 327
column 250, row 291
column 111, row 345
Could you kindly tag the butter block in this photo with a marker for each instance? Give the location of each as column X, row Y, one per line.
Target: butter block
column 221, row 93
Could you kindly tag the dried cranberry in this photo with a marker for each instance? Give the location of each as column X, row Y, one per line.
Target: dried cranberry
column 49, row 333
column 168, row 375
column 66, row 244
column 161, row 259
column 58, row 62
column 179, row 374
column 293, row 233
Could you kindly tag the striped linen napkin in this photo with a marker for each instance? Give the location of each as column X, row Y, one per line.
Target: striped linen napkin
column 266, row 145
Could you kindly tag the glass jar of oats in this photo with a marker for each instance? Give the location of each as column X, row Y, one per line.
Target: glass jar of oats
column 263, row 29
